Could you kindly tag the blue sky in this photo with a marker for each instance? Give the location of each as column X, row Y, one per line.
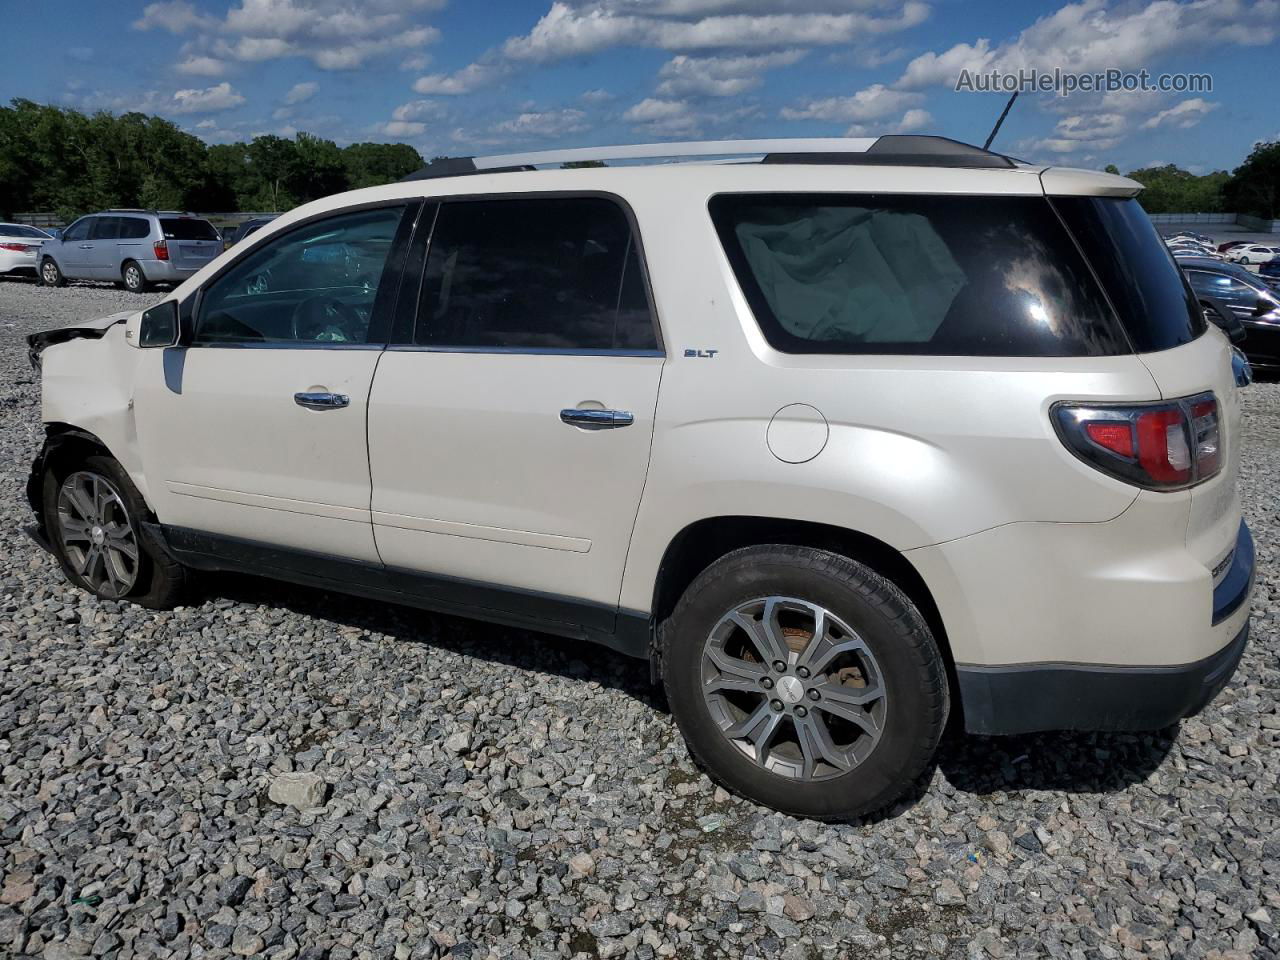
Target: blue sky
column 460, row 77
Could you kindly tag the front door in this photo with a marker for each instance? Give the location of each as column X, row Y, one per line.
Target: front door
column 256, row 429
column 509, row 434
column 77, row 249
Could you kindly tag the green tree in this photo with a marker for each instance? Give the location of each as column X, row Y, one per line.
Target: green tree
column 373, row 164
column 1170, row 189
column 1254, row 186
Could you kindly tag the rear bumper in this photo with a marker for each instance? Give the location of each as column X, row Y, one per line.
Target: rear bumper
column 1025, row 699
column 165, row 271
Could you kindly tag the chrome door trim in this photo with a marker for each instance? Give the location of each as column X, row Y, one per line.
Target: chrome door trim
column 526, row 351
column 597, row 419
column 321, row 400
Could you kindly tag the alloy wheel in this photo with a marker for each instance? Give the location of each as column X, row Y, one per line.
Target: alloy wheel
column 50, row 272
column 96, row 535
column 794, row 688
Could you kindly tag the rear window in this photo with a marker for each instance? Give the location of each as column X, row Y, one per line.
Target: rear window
column 1154, row 302
column 187, row 228
column 897, row 274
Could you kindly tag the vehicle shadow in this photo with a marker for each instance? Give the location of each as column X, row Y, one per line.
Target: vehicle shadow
column 1066, row 761
column 1069, row 762
column 525, row 650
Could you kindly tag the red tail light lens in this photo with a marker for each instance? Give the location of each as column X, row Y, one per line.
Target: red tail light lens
column 161, row 248
column 16, row 247
column 1159, row 446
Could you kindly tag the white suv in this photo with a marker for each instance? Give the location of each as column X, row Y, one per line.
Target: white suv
column 845, row 439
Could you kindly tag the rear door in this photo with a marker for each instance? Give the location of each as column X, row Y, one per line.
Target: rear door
column 510, row 426
column 256, row 429
column 192, row 242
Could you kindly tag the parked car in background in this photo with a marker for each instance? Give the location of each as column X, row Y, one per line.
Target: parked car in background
column 1189, row 250
column 20, row 248
column 1231, row 244
column 1255, row 304
column 1253, row 253
column 246, row 229
column 134, row 248
column 830, row 497
column 1270, row 271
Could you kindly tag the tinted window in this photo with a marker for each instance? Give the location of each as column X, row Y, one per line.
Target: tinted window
column 1154, row 302
column 560, row 273
column 942, row 275
column 319, row 283
column 133, row 228
column 79, row 230
column 187, row 228
column 18, row 230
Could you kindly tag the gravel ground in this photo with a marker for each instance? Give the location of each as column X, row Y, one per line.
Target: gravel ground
column 472, row 791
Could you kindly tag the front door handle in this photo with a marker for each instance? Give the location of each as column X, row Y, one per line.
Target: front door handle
column 321, row 401
column 597, row 419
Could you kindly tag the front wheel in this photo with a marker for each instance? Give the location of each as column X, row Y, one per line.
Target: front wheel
column 93, row 514
column 805, row 681
column 50, row 275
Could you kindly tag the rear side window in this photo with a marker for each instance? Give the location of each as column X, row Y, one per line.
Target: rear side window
column 1154, row 302
column 558, row 273
column 913, row 274
column 187, row 228
column 133, row 228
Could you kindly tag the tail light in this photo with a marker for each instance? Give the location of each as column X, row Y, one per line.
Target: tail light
column 161, row 248
column 17, row 247
column 1160, row 446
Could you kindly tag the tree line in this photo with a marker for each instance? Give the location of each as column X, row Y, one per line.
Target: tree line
column 68, row 162
column 1253, row 187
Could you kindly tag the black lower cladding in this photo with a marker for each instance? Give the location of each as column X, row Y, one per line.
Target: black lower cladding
column 622, row 630
column 1026, row 699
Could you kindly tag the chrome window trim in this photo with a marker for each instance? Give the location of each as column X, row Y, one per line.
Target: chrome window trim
column 526, row 351
column 283, row 345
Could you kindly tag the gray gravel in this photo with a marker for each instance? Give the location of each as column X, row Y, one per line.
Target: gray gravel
column 281, row 772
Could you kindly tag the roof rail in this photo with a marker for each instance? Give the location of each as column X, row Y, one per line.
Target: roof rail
column 901, row 149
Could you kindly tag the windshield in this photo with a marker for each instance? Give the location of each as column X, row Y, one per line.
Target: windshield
column 1150, row 294
column 187, row 228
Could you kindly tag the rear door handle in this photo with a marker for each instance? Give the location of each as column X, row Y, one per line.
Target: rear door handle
column 321, row 401
column 597, row 419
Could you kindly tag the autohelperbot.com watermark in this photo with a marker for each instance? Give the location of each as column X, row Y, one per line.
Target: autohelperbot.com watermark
column 1066, row 82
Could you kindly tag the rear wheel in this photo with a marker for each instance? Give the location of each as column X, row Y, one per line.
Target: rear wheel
column 805, row 681
column 92, row 514
column 135, row 281
column 50, row 275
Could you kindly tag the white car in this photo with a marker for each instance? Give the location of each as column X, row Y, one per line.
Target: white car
column 1253, row 253
column 844, row 442
column 20, row 248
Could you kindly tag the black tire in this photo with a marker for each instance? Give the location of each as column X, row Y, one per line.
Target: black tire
column 161, row 582
column 134, row 280
column 50, row 274
column 912, row 670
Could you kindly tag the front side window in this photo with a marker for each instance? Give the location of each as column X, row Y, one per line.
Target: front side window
column 318, row 283
column 553, row 273
column 912, row 274
column 79, row 230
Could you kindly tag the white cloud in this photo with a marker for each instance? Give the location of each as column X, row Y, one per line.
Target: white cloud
column 595, row 96
column 209, row 100
column 333, row 34
column 569, row 29
column 301, row 92
column 546, row 123
column 1089, row 36
column 416, row 61
column 720, row 76
column 418, row 110
column 666, row 118
column 912, row 121
column 1182, row 116
column 870, row 104
column 402, row 128
column 466, row 80
column 197, row 66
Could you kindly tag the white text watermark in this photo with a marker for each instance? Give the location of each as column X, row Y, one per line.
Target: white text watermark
column 1065, row 82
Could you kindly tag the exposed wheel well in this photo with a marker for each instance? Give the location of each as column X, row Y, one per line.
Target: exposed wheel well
column 700, row 544
column 63, row 443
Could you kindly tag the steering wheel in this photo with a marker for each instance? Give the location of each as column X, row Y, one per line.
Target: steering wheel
column 325, row 317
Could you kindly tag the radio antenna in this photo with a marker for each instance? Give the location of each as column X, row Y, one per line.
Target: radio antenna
column 1003, row 113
